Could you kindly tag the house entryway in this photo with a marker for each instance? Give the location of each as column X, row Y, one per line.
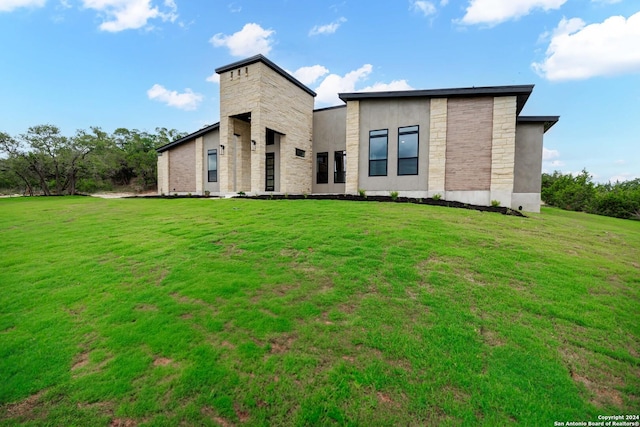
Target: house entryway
column 270, row 172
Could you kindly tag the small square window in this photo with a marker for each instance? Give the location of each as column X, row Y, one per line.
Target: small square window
column 299, row 152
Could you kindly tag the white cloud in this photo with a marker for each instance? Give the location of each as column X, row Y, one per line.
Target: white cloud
column 9, row 5
column 251, row 40
column 557, row 163
column 620, row 162
column 120, row 15
column 426, row 7
column 188, row 100
column 309, row 75
column 580, row 51
column 334, row 84
column 214, row 78
column 234, row 7
column 328, row 28
column 606, row 1
column 493, row 12
column 625, row 176
column 549, row 154
column 395, row 85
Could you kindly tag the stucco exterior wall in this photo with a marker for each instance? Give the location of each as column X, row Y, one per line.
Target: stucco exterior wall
column 391, row 114
column 528, row 167
column 528, row 158
column 329, row 136
column 182, row 173
column 468, row 147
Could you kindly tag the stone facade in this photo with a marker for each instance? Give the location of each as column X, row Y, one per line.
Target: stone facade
column 437, row 146
column 163, row 172
column 258, row 93
column 353, row 146
column 182, row 178
column 503, row 149
column 473, row 146
column 468, row 150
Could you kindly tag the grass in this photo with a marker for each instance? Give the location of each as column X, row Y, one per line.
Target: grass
column 221, row 312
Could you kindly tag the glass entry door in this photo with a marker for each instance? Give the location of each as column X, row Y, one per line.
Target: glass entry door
column 270, row 172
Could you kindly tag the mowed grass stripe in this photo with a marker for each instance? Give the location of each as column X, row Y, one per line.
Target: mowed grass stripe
column 220, row 312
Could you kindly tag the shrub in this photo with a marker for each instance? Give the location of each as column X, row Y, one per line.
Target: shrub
column 437, row 196
column 394, row 195
column 362, row 193
column 495, row 203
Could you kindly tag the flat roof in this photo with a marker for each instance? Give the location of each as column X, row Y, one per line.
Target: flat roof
column 522, row 93
column 270, row 64
column 548, row 121
column 193, row 135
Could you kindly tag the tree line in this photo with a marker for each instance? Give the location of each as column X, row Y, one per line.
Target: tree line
column 580, row 193
column 43, row 161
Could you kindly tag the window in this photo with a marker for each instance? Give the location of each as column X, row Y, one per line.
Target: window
column 408, row 150
column 299, row 152
column 378, row 152
column 271, row 137
column 213, row 165
column 340, row 164
column 322, row 168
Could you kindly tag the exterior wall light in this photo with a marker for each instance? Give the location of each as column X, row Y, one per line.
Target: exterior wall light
column 221, row 150
column 253, row 145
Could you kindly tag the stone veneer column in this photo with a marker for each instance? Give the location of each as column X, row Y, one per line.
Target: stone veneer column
column 224, row 162
column 353, row 147
column 503, row 149
column 199, row 166
column 437, row 146
column 163, row 173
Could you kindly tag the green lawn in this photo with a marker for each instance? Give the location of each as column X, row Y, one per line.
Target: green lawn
column 221, row 312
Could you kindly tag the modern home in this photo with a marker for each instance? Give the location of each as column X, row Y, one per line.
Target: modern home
column 464, row 144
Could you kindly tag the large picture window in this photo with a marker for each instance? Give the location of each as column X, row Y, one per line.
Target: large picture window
column 322, row 168
column 213, row 165
column 378, row 140
column 340, row 167
column 408, row 150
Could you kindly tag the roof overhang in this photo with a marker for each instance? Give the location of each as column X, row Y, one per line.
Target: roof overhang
column 521, row 92
column 547, row 121
column 268, row 63
column 189, row 137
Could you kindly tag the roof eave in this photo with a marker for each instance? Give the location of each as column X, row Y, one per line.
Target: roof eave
column 522, row 93
column 189, row 137
column 547, row 121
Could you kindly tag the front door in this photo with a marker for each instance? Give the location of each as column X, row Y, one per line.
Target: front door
column 270, row 183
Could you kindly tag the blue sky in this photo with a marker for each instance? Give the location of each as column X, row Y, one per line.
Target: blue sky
column 143, row 64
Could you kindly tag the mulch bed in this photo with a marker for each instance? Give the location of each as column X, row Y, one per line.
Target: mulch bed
column 357, row 198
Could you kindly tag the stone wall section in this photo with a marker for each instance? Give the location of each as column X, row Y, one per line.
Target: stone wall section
column 287, row 109
column 503, row 150
column 437, row 146
column 163, row 172
column 200, row 156
column 276, row 103
column 182, row 178
column 239, row 94
column 468, row 146
column 353, row 146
